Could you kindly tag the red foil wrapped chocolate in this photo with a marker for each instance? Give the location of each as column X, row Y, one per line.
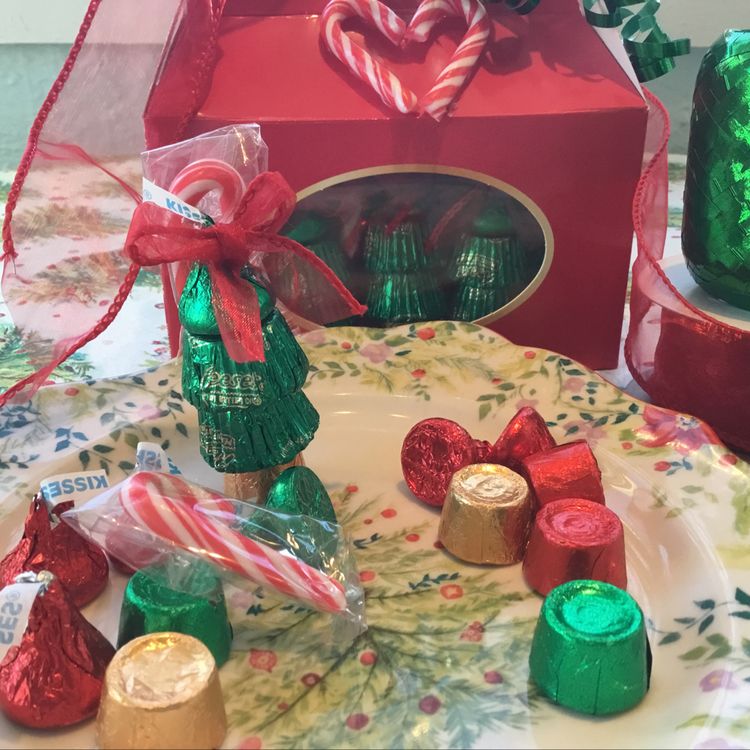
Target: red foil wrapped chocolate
column 524, row 435
column 575, row 539
column 433, row 450
column 80, row 566
column 568, row 470
column 54, row 677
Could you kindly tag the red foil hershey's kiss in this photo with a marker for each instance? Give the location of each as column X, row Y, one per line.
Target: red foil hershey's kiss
column 54, row 677
column 80, row 566
column 433, row 450
column 575, row 539
column 523, row 436
column 568, row 470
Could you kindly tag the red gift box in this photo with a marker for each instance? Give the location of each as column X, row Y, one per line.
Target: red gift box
column 550, row 119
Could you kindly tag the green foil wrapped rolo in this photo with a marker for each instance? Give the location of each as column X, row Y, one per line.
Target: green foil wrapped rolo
column 488, row 267
column 590, row 651
column 198, row 608
column 402, row 287
column 716, row 220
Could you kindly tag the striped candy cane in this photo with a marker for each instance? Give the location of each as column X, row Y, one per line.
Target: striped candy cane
column 437, row 101
column 192, row 183
column 385, row 83
column 451, row 80
column 202, row 176
column 169, row 508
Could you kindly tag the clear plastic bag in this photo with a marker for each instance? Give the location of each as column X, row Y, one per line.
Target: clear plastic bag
column 163, row 522
column 234, row 210
column 239, row 147
column 208, row 172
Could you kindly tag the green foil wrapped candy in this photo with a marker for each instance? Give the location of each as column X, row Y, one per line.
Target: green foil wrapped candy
column 252, row 415
column 488, row 266
column 716, row 220
column 297, row 490
column 295, row 497
column 149, row 605
column 590, row 652
column 402, row 286
column 234, row 440
column 212, row 378
column 196, row 309
column 394, row 299
column 398, row 249
column 322, row 235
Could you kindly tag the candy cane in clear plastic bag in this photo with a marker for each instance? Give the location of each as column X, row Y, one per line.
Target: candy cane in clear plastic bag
column 168, row 508
column 204, row 176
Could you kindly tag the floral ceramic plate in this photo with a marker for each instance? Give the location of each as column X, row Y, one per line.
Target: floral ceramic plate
column 444, row 661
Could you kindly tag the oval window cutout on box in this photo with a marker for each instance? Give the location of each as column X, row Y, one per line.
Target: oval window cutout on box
column 416, row 242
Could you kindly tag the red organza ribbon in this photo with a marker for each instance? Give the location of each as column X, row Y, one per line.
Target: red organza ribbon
column 297, row 277
column 302, row 281
column 683, row 358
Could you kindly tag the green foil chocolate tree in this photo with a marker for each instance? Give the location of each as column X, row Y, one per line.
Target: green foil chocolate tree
column 488, row 268
column 403, row 280
column 253, row 416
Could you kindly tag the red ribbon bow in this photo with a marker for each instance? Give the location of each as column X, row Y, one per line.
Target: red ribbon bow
column 299, row 279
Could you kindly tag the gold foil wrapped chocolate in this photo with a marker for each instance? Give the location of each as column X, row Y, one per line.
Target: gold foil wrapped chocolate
column 162, row 691
column 255, row 484
column 487, row 515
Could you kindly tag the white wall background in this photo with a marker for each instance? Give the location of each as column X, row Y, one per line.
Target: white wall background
column 703, row 20
column 41, row 21
column 56, row 21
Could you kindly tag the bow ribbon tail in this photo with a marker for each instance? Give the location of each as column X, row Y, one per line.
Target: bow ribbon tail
column 302, row 281
column 299, row 278
column 237, row 311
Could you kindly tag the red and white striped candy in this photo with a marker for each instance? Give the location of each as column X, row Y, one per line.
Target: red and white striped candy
column 203, row 176
column 192, row 183
column 451, row 80
column 360, row 62
column 168, row 507
column 437, row 101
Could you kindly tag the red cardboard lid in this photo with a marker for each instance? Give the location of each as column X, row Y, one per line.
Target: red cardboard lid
column 274, row 67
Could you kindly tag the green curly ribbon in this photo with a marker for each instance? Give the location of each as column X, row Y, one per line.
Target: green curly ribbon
column 522, row 7
column 651, row 51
